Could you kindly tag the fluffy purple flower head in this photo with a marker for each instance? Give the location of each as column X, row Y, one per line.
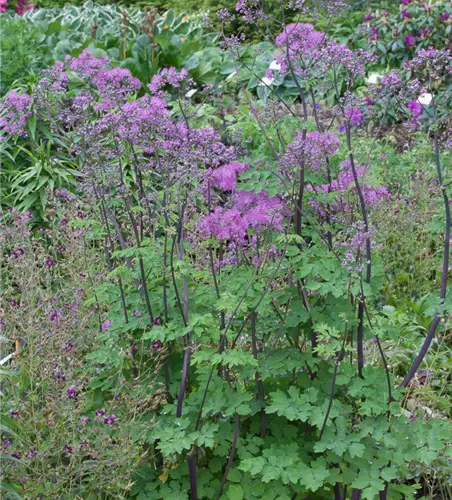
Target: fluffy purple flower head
column 100, row 413
column 299, row 40
column 168, row 76
column 355, row 116
column 225, row 177
column 405, row 14
column 313, row 150
column 368, row 17
column 415, row 108
column 86, row 65
column 248, row 211
column 445, row 16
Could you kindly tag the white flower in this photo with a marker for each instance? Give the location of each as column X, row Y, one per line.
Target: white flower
column 374, row 78
column 266, row 81
column 229, row 77
column 425, row 98
column 275, row 66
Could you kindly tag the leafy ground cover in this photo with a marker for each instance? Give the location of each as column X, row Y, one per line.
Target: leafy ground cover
column 225, row 265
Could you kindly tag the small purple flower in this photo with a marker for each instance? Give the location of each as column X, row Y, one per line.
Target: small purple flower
column 16, row 455
column 80, row 214
column 18, row 252
column 71, row 392
column 445, row 16
column 59, row 374
column 31, row 453
column 84, row 420
column 100, row 413
column 63, row 193
column 341, row 128
column 368, row 101
column 24, row 479
column 82, row 275
column 13, row 303
column 410, row 40
column 423, row 32
column 412, row 418
column 368, row 17
column 106, row 325
column 61, row 249
column 136, row 314
column 156, row 345
column 53, row 316
column 133, row 347
column 374, row 341
column 84, row 444
column 14, row 414
column 405, row 2
column 426, row 372
column 50, row 262
column 110, row 420
column 67, row 347
column 373, row 34
column 158, row 321
column 68, row 449
column 415, row 108
column 6, row 444
column 405, row 14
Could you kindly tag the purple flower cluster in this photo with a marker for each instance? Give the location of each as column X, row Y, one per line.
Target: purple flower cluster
column 311, row 151
column 355, row 116
column 225, row 177
column 248, row 210
column 341, row 185
column 15, row 110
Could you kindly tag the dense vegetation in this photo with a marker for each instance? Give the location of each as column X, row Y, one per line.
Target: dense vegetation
column 226, row 251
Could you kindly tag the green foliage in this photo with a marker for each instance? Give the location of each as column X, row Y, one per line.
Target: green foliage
column 22, row 52
column 273, row 395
